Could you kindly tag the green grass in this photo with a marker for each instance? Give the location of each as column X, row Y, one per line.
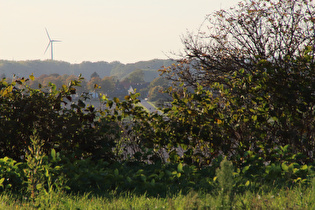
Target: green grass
column 296, row 198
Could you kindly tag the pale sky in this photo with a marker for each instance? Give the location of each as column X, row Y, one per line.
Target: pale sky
column 99, row 30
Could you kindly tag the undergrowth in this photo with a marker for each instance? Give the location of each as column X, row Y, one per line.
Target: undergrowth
column 60, row 182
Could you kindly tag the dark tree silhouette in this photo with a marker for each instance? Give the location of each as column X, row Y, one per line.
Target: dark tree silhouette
column 94, row 74
column 237, row 38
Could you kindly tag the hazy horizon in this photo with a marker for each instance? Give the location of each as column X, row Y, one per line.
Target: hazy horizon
column 99, row 30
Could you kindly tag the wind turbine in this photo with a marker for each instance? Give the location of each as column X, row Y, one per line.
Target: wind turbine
column 51, row 42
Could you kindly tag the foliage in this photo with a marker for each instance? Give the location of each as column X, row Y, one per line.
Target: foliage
column 11, row 174
column 51, row 175
column 102, row 68
column 93, row 82
column 252, row 75
column 225, row 177
column 137, row 178
column 160, row 81
column 250, row 112
column 107, row 85
column 250, row 125
column 61, row 123
column 155, row 93
column 135, row 77
column 41, row 176
column 238, row 38
column 94, row 74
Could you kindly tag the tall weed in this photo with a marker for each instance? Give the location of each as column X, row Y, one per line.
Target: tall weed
column 44, row 181
column 225, row 177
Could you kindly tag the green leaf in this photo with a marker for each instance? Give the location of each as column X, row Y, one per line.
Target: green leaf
column 47, row 173
column 53, row 154
column 81, row 104
column 245, row 169
column 180, row 167
column 143, row 177
column 38, row 186
column 285, row 148
column 284, row 167
column 110, row 104
column 116, row 172
column 168, row 172
column 1, row 181
column 304, row 167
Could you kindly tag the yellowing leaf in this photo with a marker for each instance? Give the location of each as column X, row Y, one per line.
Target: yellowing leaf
column 304, row 167
column 32, row 77
column 218, row 121
column 116, row 100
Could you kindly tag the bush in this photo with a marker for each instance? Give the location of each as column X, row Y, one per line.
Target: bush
column 63, row 124
column 11, row 175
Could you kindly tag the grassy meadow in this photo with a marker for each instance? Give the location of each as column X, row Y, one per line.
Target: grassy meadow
column 295, row 198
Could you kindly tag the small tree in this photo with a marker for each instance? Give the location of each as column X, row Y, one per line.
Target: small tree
column 155, row 93
column 107, row 85
column 136, row 77
column 94, row 74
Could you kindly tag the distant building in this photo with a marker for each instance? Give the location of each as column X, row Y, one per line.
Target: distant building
column 130, row 90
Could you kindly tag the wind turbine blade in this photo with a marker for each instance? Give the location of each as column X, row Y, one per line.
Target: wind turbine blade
column 56, row 40
column 47, row 34
column 47, row 47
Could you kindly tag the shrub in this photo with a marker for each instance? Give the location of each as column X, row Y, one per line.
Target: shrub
column 61, row 123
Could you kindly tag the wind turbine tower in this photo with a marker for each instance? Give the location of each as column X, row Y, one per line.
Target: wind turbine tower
column 51, row 42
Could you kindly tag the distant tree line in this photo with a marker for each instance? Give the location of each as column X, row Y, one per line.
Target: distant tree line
column 117, row 69
column 108, row 85
column 113, row 79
